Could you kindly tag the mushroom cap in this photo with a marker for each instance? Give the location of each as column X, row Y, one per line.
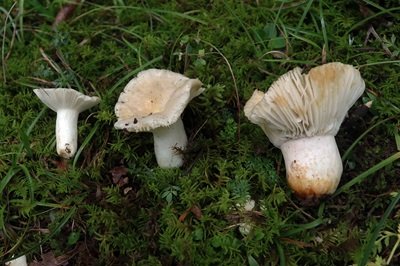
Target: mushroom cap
column 305, row 105
column 20, row 261
column 155, row 98
column 57, row 99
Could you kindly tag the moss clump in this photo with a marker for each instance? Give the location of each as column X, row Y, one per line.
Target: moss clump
column 112, row 205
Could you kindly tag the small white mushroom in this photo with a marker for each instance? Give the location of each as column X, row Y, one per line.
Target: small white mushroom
column 248, row 206
column 68, row 103
column 20, row 261
column 301, row 114
column 154, row 102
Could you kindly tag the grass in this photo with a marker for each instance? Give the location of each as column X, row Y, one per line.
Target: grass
column 112, row 205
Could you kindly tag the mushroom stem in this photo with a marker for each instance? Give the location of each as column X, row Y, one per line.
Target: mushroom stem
column 67, row 132
column 168, row 144
column 313, row 165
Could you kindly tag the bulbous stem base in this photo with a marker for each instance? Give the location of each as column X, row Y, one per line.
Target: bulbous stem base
column 313, row 166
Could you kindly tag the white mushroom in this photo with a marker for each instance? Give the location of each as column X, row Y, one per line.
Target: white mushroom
column 248, row 206
column 20, row 261
column 301, row 114
column 154, row 102
column 68, row 103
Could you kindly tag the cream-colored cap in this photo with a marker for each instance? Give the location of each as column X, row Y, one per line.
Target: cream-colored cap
column 155, row 98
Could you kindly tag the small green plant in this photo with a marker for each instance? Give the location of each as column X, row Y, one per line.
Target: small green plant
column 386, row 239
column 170, row 193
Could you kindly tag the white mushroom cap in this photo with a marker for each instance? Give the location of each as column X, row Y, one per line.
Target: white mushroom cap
column 68, row 103
column 155, row 98
column 20, row 261
column 305, row 105
column 57, row 99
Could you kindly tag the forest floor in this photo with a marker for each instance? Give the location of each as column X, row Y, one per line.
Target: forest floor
column 112, row 205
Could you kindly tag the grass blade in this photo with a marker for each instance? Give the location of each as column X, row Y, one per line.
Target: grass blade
column 21, row 18
column 302, row 227
column 352, row 146
column 374, row 235
column 7, row 178
column 397, row 139
column 379, row 63
column 306, row 9
column 84, row 144
column 367, row 173
column 362, row 22
column 281, row 253
column 66, row 218
column 323, row 28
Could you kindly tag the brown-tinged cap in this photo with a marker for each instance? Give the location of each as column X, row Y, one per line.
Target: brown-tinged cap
column 305, row 105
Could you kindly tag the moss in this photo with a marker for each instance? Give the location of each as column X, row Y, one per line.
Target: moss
column 112, row 202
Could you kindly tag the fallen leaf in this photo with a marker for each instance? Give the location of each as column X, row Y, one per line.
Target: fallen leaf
column 184, row 215
column 61, row 164
column 118, row 173
column 65, row 12
column 365, row 11
column 126, row 190
column 48, row 259
column 196, row 211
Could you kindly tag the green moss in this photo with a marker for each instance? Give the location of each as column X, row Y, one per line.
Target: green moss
column 117, row 207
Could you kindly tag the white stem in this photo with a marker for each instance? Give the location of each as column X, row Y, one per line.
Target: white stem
column 67, row 132
column 313, row 166
column 169, row 143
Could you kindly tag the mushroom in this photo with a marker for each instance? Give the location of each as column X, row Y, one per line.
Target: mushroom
column 68, row 103
column 301, row 114
column 154, row 102
column 20, row 261
column 248, row 206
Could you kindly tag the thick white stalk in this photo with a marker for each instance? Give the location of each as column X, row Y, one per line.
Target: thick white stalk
column 67, row 132
column 313, row 166
column 169, row 143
